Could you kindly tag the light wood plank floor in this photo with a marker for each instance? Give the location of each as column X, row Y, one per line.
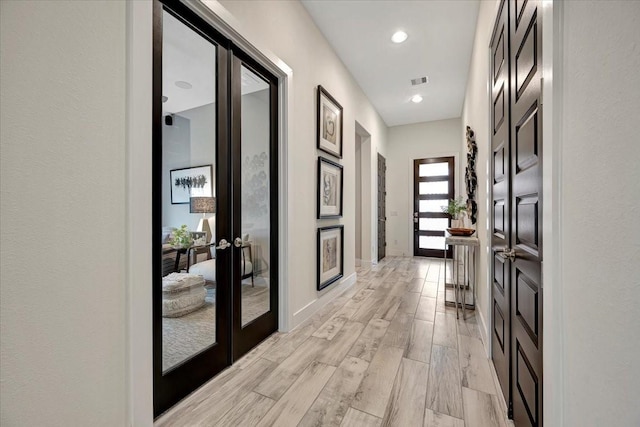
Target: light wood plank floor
column 386, row 352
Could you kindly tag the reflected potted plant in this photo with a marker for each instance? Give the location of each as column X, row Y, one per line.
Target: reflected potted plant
column 456, row 209
column 181, row 237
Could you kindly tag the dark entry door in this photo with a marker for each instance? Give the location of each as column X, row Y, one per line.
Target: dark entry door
column 517, row 207
column 433, row 187
column 382, row 207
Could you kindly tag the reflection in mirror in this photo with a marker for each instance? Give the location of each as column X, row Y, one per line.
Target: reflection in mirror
column 188, row 193
column 255, row 188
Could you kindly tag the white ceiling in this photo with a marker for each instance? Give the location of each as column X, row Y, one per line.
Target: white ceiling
column 439, row 46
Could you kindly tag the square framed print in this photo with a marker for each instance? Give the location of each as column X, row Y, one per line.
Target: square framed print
column 330, row 186
column 329, row 124
column 190, row 182
column 330, row 255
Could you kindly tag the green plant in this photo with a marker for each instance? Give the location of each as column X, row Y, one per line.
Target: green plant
column 181, row 237
column 455, row 208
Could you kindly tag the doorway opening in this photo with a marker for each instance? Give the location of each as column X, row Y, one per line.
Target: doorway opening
column 366, row 215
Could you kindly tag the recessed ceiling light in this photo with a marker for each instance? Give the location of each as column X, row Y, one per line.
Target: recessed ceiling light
column 399, row 37
column 416, row 98
column 183, row 85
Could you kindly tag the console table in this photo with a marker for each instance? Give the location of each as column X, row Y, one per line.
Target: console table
column 462, row 282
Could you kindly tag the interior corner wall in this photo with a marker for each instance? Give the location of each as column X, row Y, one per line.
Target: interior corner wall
column 475, row 115
column 600, row 201
column 407, row 143
column 63, row 304
column 287, row 30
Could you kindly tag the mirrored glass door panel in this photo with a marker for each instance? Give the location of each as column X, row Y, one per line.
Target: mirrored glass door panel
column 254, row 147
column 188, row 192
column 255, row 185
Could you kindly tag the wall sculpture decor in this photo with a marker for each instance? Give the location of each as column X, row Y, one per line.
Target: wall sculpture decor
column 470, row 176
column 190, row 182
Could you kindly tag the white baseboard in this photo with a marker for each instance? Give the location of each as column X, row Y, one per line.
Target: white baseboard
column 310, row 309
column 483, row 332
column 395, row 252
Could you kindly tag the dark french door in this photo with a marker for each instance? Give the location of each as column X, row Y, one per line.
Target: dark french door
column 215, row 175
column 433, row 187
column 516, row 173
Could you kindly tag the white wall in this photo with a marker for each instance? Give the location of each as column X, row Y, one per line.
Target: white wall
column 475, row 115
column 407, row 143
column 286, row 29
column 63, row 305
column 600, row 201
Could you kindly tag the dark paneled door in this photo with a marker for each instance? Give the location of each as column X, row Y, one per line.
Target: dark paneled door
column 526, row 213
column 517, row 205
column 382, row 207
column 500, row 239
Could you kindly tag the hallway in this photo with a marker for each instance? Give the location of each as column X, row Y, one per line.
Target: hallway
column 386, row 352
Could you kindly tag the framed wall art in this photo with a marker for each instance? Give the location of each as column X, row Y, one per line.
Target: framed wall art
column 330, row 255
column 190, row 182
column 329, row 124
column 329, row 189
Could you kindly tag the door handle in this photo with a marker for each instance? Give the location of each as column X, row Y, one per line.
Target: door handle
column 223, row 244
column 507, row 254
column 237, row 242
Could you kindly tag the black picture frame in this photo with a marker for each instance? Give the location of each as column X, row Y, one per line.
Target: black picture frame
column 329, row 190
column 329, row 123
column 330, row 255
column 190, row 182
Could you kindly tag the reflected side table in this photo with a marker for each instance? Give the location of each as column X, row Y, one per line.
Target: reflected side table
column 463, row 272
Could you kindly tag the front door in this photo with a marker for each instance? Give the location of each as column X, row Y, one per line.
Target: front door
column 215, row 176
column 433, row 187
column 517, row 207
column 382, row 207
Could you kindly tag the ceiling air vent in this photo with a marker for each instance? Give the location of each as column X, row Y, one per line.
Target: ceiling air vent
column 419, row 81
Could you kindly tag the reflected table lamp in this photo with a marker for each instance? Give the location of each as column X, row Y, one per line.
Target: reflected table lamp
column 203, row 205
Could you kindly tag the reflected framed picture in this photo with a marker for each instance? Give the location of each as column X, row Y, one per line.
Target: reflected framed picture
column 329, row 189
column 329, row 124
column 190, row 182
column 330, row 255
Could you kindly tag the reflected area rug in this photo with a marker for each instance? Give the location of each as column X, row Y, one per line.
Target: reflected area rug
column 186, row 336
